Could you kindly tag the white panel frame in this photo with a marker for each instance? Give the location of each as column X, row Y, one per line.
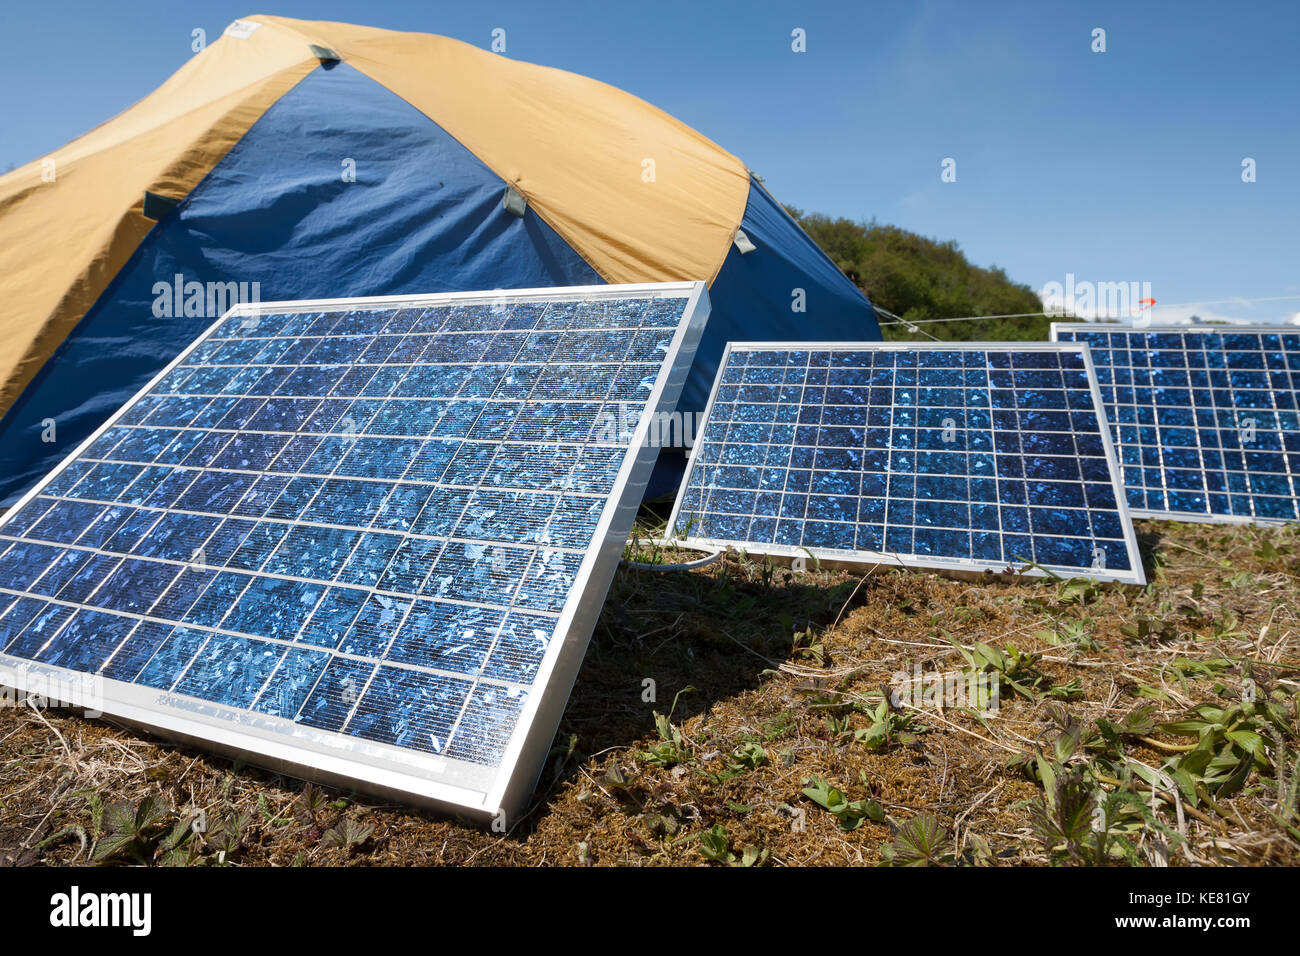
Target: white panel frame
column 1188, row 516
column 1136, row 574
column 386, row 771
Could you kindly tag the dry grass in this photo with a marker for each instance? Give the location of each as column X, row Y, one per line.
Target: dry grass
column 792, row 663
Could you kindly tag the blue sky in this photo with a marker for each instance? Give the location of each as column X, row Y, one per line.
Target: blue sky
column 1122, row 166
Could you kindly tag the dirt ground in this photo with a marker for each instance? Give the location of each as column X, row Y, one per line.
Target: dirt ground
column 813, row 718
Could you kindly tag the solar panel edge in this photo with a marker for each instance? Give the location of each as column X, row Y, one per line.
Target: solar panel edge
column 578, row 618
column 1135, row 575
column 1100, row 326
column 1139, row 576
column 1192, row 517
column 491, row 790
column 692, row 459
column 131, row 705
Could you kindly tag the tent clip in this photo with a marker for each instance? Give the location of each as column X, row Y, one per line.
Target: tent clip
column 743, row 243
column 515, row 202
column 324, row 53
column 157, row 205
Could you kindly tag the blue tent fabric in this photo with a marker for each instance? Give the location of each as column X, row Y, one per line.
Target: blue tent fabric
column 424, row 215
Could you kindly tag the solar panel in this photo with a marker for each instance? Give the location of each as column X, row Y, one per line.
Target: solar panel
column 972, row 456
column 364, row 541
column 1205, row 418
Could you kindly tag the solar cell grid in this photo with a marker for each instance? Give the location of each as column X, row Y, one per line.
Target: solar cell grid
column 952, row 456
column 334, row 525
column 1205, row 419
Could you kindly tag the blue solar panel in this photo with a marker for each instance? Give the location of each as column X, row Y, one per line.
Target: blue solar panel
column 1205, row 419
column 366, row 540
column 951, row 456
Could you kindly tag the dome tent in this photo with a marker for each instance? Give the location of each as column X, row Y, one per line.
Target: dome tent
column 324, row 160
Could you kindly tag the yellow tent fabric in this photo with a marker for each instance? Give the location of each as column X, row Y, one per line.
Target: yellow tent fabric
column 574, row 147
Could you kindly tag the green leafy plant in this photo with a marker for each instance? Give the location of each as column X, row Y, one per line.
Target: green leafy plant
column 753, row 856
column 921, row 841
column 672, row 747
column 1068, row 633
column 888, row 727
column 1149, row 630
column 1286, row 812
column 347, row 834
column 812, row 561
column 1230, row 743
column 1015, row 669
column 130, row 831
column 645, row 544
column 311, row 801
column 715, row 846
column 226, row 834
column 1111, row 735
column 1078, row 820
column 1268, row 552
column 746, row 757
column 1062, row 818
column 849, row 813
column 1078, row 591
column 808, row 645
column 1094, row 807
column 179, row 847
column 662, row 819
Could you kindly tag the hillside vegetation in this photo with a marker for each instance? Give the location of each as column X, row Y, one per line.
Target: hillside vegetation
column 919, row 278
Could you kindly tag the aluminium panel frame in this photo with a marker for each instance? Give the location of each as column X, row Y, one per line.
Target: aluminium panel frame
column 1165, row 514
column 1135, row 575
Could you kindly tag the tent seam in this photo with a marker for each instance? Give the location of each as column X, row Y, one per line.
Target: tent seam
column 495, row 172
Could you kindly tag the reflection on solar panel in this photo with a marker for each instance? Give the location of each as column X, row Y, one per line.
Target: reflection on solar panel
column 952, row 456
column 1204, row 418
column 360, row 540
